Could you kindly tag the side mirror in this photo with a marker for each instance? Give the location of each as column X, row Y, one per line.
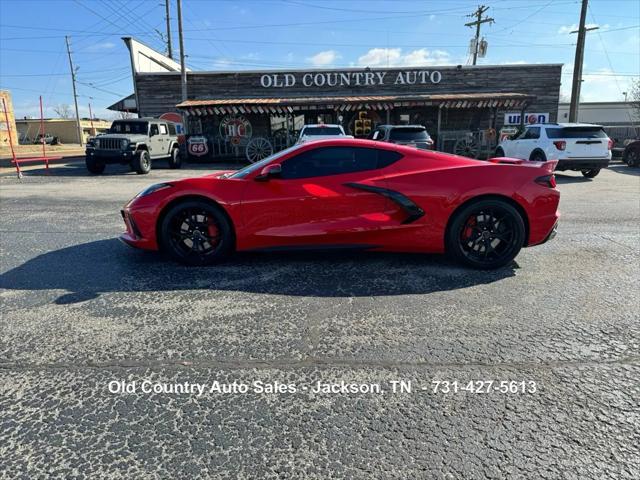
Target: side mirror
column 273, row 170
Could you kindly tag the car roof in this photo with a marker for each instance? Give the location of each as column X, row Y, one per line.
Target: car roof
column 564, row 125
column 322, row 125
column 365, row 143
column 402, row 126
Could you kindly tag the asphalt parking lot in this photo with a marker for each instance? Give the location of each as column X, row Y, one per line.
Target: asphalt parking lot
column 80, row 309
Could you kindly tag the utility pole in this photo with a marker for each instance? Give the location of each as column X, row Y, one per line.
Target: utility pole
column 75, row 95
column 479, row 21
column 577, row 64
column 168, row 19
column 183, row 70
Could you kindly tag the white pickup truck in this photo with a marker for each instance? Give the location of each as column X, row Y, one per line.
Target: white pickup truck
column 321, row 132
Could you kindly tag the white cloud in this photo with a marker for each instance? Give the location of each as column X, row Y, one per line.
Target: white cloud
column 396, row 57
column 323, row 59
column 101, row 46
column 572, row 28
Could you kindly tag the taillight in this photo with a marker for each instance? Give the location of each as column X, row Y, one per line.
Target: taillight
column 547, row 181
column 560, row 144
column 610, row 144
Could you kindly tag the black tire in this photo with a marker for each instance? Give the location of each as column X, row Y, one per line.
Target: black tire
column 196, row 232
column 538, row 156
column 499, row 152
column 591, row 173
column 175, row 160
column 94, row 165
column 632, row 157
column 141, row 163
column 485, row 234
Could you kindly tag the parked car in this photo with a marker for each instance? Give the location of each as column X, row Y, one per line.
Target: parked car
column 411, row 135
column 136, row 142
column 631, row 154
column 321, row 132
column 577, row 146
column 352, row 193
column 48, row 139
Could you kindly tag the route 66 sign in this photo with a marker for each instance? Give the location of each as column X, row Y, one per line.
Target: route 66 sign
column 197, row 146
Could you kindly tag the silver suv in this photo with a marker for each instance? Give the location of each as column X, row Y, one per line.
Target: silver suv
column 136, row 142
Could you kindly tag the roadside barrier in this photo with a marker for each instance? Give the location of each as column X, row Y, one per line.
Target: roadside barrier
column 17, row 161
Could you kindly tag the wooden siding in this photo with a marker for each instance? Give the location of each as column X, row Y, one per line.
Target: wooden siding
column 160, row 93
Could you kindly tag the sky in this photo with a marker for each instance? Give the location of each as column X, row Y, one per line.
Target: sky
column 284, row 34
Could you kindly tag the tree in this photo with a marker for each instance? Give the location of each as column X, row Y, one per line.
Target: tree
column 63, row 110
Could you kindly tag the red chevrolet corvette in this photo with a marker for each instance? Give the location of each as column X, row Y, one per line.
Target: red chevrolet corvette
column 355, row 194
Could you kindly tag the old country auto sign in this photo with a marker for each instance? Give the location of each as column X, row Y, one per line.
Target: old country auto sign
column 349, row 79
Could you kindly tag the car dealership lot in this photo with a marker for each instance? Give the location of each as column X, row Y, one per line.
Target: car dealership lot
column 81, row 310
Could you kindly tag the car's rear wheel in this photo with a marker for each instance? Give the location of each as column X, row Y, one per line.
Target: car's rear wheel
column 142, row 162
column 175, row 161
column 538, row 157
column 499, row 152
column 591, row 173
column 632, row 157
column 94, row 166
column 486, row 234
column 196, row 232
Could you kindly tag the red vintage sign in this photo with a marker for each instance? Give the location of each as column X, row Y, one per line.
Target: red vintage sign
column 197, row 146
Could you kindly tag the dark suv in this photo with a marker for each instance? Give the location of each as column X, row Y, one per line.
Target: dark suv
column 134, row 141
column 410, row 135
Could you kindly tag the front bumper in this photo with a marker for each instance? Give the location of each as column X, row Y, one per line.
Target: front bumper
column 133, row 235
column 110, row 156
column 582, row 163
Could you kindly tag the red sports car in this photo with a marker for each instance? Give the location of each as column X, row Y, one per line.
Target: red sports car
column 355, row 194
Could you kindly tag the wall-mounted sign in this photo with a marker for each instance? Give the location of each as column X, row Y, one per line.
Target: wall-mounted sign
column 351, row 79
column 513, row 118
column 197, row 146
column 235, row 128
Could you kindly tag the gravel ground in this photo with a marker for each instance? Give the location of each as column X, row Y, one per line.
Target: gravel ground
column 83, row 313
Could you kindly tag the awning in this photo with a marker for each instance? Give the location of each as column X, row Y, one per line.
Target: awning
column 222, row 106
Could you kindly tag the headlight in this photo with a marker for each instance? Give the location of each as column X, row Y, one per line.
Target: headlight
column 123, row 144
column 153, row 188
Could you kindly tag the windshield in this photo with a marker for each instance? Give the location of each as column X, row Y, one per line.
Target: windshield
column 129, row 127
column 576, row 132
column 242, row 173
column 322, row 131
column 411, row 134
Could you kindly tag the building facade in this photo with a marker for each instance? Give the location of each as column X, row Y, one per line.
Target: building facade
column 228, row 112
column 64, row 129
column 8, row 133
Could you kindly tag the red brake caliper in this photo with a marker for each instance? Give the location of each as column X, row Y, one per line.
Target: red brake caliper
column 468, row 229
column 212, row 230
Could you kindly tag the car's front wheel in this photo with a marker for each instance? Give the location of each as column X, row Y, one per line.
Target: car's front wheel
column 142, row 162
column 486, row 234
column 632, row 157
column 94, row 165
column 175, row 161
column 196, row 232
column 591, row 173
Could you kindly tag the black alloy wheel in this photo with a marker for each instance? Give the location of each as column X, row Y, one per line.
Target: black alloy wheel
column 486, row 234
column 591, row 172
column 196, row 232
column 142, row 162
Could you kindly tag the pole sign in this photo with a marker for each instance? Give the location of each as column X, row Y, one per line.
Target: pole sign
column 513, row 118
column 350, row 79
column 197, row 146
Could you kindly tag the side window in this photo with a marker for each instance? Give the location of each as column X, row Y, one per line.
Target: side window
column 172, row 129
column 154, row 129
column 321, row 162
column 387, row 157
column 532, row 133
column 163, row 129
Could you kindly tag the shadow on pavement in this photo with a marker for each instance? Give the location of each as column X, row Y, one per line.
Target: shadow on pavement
column 626, row 170
column 89, row 269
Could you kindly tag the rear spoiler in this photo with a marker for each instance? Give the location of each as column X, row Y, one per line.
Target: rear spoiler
column 548, row 166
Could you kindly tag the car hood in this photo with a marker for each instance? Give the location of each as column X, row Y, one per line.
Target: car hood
column 120, row 136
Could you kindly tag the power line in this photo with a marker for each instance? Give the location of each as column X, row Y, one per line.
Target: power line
column 477, row 23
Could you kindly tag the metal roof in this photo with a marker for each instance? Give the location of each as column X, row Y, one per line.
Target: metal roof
column 352, row 103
